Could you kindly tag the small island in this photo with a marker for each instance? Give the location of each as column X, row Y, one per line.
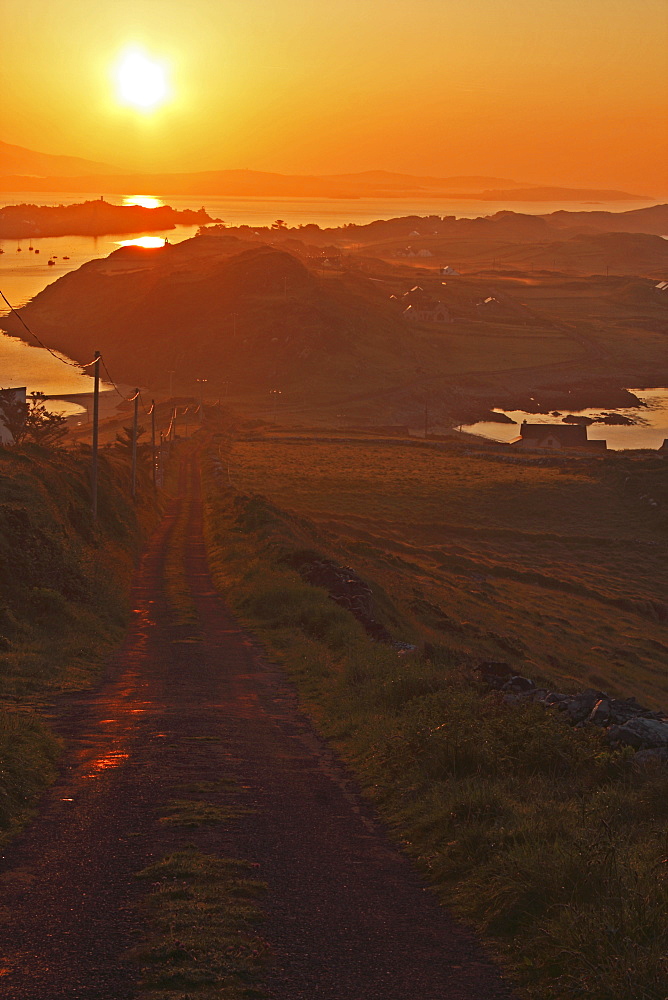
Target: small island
column 92, row 218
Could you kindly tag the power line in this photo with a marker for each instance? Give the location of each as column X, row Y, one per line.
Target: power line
column 70, row 364
column 110, row 379
column 98, row 358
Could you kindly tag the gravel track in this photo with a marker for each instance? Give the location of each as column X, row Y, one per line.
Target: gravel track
column 347, row 917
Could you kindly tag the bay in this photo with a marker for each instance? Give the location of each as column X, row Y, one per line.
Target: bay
column 650, row 431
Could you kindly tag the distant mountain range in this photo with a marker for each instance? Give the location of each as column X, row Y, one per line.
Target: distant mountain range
column 26, row 170
column 17, row 160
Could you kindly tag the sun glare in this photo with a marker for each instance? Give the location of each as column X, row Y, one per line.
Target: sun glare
column 141, row 81
column 143, row 201
column 148, row 242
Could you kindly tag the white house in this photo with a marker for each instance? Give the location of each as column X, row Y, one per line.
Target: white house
column 12, row 396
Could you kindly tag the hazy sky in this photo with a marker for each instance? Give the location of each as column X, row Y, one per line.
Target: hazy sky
column 554, row 91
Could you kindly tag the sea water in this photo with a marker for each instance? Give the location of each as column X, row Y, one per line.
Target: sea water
column 649, row 431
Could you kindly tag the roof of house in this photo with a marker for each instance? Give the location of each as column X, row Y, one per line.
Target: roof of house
column 568, row 434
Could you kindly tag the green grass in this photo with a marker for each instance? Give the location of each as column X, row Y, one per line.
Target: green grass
column 202, row 937
column 199, row 812
column 64, row 588
column 550, row 843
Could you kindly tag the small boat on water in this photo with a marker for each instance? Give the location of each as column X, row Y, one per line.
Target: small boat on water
column 36, row 251
column 66, row 258
column 51, row 263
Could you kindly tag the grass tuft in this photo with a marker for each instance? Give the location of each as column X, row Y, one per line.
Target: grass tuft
column 202, row 933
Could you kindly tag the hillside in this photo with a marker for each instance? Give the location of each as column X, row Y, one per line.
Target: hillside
column 282, row 324
column 518, row 227
column 64, row 598
column 509, row 243
column 18, row 160
column 639, row 220
column 257, row 319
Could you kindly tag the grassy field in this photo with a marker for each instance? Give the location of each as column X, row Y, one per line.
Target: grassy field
column 555, row 568
column 552, row 844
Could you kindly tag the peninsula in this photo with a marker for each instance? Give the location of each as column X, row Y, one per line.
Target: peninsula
column 92, row 218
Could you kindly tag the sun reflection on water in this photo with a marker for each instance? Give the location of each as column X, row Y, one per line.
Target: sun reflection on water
column 105, row 762
column 143, row 201
column 148, row 242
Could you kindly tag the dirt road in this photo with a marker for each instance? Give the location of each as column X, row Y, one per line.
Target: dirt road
column 347, row 917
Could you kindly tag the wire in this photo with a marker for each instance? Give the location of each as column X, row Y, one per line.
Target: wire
column 150, row 409
column 70, row 364
column 88, row 364
column 128, row 399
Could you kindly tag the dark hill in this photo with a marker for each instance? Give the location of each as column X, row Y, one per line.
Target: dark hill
column 259, row 319
column 618, row 253
column 639, row 220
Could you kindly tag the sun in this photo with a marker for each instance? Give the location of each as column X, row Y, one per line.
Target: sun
column 141, row 81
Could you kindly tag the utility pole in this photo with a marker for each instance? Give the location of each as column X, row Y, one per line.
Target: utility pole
column 135, row 426
column 96, row 423
column 202, row 382
column 153, row 438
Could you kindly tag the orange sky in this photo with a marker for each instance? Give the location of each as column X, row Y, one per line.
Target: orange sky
column 550, row 91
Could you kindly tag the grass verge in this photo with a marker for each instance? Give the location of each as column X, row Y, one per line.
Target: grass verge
column 550, row 843
column 64, row 588
column 202, row 916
